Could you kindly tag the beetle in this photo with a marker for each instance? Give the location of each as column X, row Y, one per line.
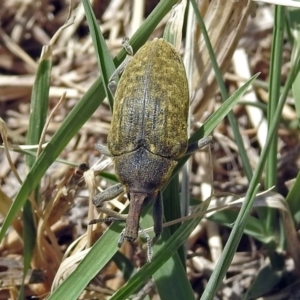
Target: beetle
column 148, row 133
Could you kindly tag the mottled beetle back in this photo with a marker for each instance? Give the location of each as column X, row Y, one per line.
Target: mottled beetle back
column 151, row 104
column 148, row 132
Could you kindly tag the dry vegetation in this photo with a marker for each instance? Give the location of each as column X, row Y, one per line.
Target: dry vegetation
column 25, row 26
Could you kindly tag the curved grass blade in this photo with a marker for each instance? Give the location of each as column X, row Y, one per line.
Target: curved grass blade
column 105, row 62
column 39, row 101
column 274, row 94
column 37, row 120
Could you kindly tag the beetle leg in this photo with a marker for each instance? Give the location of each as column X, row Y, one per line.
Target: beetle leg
column 121, row 238
column 109, row 194
column 158, row 212
column 108, row 219
column 102, row 149
column 149, row 244
column 148, row 241
column 112, row 85
column 127, row 46
column 198, row 145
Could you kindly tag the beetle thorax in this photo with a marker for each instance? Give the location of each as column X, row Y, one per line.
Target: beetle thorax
column 141, row 171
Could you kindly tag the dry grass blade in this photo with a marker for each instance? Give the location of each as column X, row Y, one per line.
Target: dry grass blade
column 225, row 22
column 256, row 116
column 290, row 3
column 173, row 31
column 3, row 130
column 18, row 51
column 60, row 102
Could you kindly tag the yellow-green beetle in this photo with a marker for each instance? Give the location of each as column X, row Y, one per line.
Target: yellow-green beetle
column 148, row 132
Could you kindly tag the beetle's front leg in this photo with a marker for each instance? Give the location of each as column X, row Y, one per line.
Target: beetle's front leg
column 109, row 194
column 103, row 150
column 199, row 144
column 112, row 80
column 158, row 213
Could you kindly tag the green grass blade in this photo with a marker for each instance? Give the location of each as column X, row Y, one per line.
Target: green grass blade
column 172, row 208
column 177, row 285
column 105, row 62
column 124, row 265
column 296, row 93
column 293, row 15
column 37, row 120
column 29, row 240
column 171, row 279
column 231, row 117
column 39, row 102
column 274, row 93
column 270, row 215
column 266, row 279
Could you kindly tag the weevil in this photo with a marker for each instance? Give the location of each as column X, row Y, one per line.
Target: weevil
column 148, row 133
